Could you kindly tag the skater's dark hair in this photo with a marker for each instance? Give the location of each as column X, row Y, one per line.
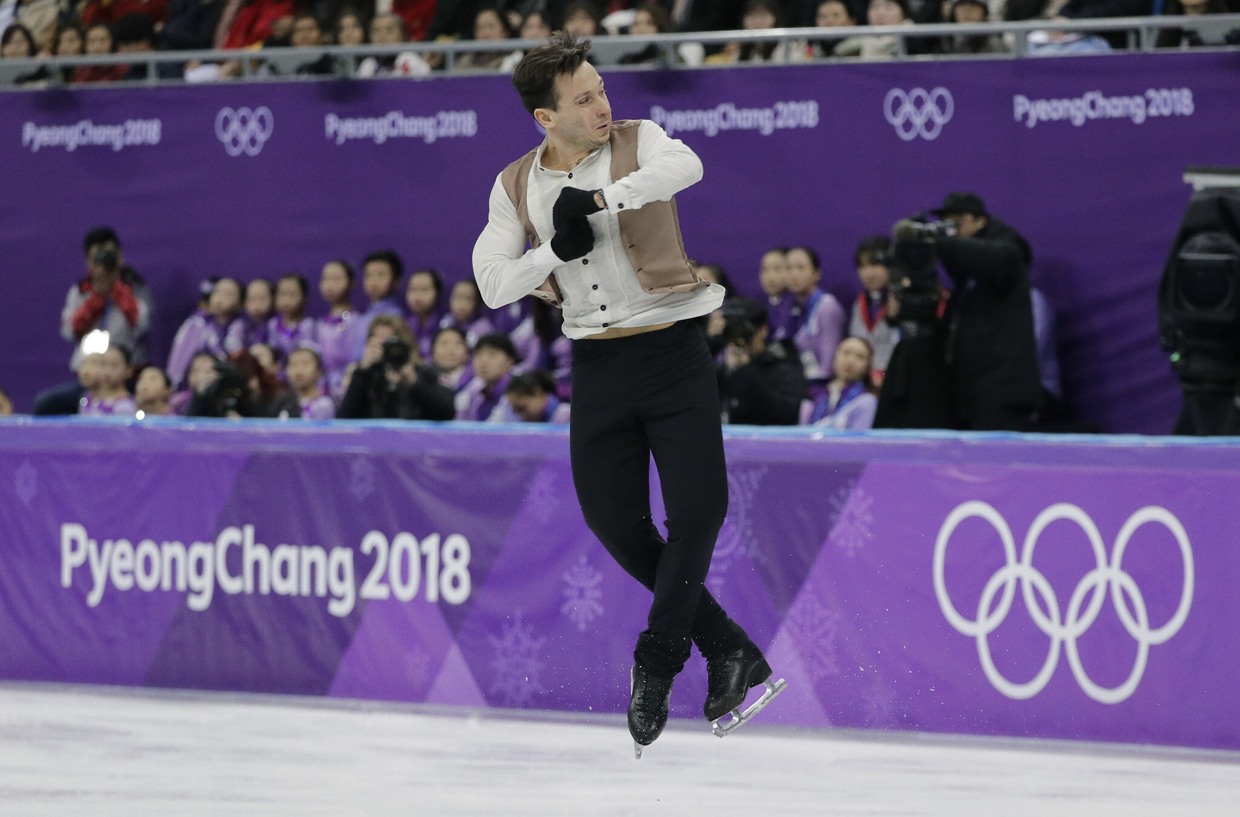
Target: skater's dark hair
column 536, row 74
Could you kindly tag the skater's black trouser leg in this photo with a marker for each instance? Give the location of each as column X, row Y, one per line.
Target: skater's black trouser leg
column 655, row 394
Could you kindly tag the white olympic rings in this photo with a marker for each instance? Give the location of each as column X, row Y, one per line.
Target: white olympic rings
column 244, row 130
column 1063, row 630
column 919, row 112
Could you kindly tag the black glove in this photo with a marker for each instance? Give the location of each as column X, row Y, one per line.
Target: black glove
column 573, row 240
column 573, row 203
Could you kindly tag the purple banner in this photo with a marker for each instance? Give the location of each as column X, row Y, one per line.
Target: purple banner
column 1084, row 155
column 986, row 585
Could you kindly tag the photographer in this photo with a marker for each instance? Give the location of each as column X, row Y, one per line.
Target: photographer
column 992, row 357
column 915, row 391
column 390, row 381
column 241, row 387
column 759, row 385
column 110, row 297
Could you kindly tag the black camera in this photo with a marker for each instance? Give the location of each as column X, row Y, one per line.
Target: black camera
column 922, row 228
column 396, row 353
column 742, row 317
column 227, row 393
column 1199, row 299
column 914, row 270
column 107, row 258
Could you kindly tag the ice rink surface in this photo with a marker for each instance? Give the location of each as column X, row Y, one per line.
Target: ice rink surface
column 113, row 752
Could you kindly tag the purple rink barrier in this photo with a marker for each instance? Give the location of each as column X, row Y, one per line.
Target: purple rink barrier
column 988, row 584
column 1084, row 155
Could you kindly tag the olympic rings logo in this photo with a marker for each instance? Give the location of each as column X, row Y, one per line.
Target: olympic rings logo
column 1063, row 627
column 919, row 112
column 244, row 130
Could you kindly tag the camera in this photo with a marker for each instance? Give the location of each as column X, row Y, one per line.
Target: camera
column 914, row 271
column 1199, row 304
column 107, row 258
column 396, row 353
column 738, row 326
column 227, row 393
column 922, row 228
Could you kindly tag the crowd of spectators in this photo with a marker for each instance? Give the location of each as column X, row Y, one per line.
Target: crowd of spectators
column 970, row 348
column 286, row 36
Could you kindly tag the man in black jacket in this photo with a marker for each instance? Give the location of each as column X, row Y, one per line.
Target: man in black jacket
column 390, row 382
column 991, row 352
column 760, row 384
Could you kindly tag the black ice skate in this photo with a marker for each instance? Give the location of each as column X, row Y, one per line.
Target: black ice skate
column 729, row 678
column 647, row 707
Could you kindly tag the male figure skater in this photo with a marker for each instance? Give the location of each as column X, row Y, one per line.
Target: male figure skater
column 594, row 202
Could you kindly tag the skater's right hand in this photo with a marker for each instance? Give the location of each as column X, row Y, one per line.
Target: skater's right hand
column 573, row 240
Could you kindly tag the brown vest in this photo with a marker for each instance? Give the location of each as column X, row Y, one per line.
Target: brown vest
column 651, row 234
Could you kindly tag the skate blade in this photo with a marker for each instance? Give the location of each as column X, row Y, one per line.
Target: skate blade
column 738, row 719
column 637, row 750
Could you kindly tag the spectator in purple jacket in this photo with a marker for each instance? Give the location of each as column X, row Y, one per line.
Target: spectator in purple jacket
column 817, row 320
column 531, row 399
column 206, row 332
column 422, row 297
column 305, row 378
column 381, row 274
column 289, row 328
column 110, row 397
column 848, row 401
column 483, row 397
column 466, row 311
column 251, row 328
column 773, row 277
column 331, row 332
column 450, row 357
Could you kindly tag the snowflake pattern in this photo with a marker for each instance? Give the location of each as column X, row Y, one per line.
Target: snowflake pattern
column 543, row 496
column 361, row 478
column 417, row 668
column 518, row 670
column 881, row 707
column 583, row 594
column 816, row 630
column 852, row 519
column 736, row 536
column 26, row 482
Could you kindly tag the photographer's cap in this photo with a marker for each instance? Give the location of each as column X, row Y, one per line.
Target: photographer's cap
column 961, row 204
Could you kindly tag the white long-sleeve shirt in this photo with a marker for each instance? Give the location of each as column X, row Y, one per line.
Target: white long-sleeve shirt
column 599, row 290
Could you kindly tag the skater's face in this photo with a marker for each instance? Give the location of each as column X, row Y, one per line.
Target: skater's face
column 581, row 120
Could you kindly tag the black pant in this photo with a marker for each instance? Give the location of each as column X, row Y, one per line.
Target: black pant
column 655, row 394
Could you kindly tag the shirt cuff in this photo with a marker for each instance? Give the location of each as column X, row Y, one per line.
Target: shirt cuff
column 544, row 258
column 617, row 197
